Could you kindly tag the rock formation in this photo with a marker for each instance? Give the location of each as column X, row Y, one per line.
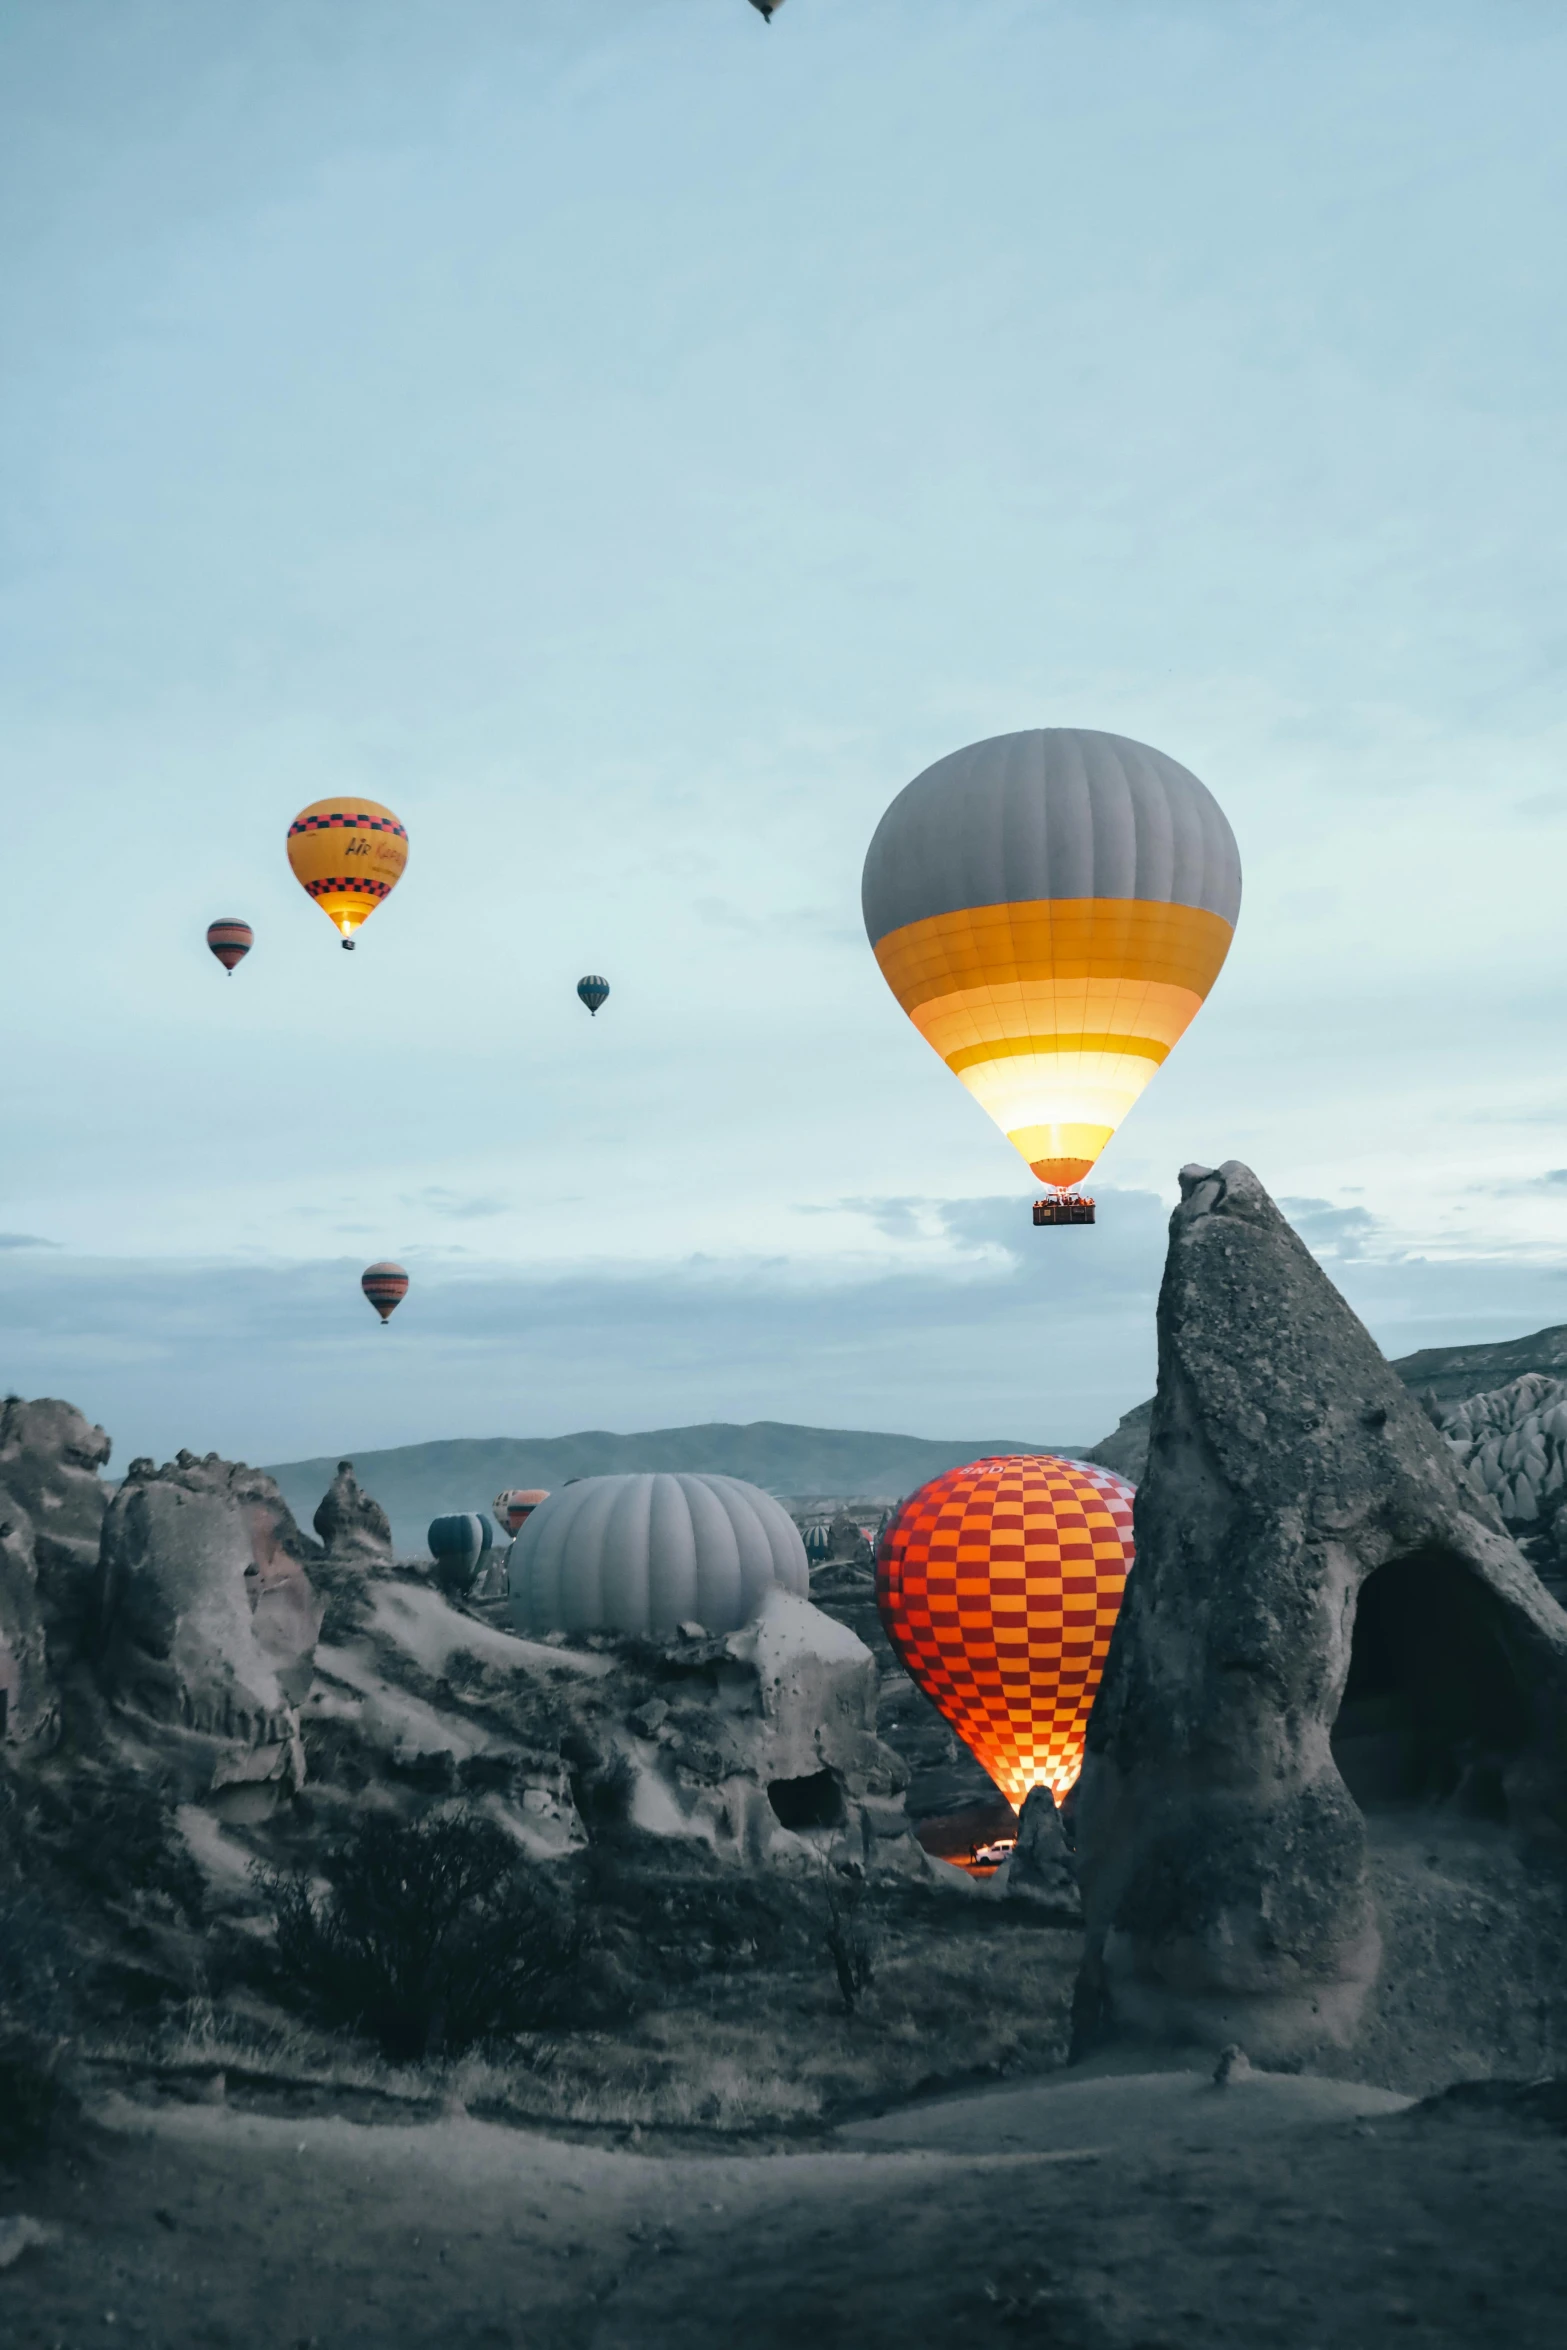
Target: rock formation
column 354, row 1528
column 1513, row 1442
column 1320, row 1596
column 50, row 1456
column 1125, row 1449
column 759, row 1744
column 845, row 1541
column 1040, row 1870
column 207, row 1622
column 29, row 1706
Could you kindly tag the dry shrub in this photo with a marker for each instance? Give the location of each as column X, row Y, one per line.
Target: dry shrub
column 850, row 1931
column 431, row 1935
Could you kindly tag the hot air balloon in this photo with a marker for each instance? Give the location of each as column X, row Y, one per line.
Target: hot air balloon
column 516, row 1503
column 999, row 1585
column 385, row 1285
column 458, row 1544
column 767, row 9
column 645, row 1553
column 593, row 991
column 231, row 942
column 1051, row 909
column 349, row 854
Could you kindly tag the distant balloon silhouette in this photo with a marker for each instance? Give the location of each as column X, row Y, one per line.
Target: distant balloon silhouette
column 593, row 991
column 348, row 854
column 767, row 9
column 999, row 1585
column 385, row 1285
column 231, row 942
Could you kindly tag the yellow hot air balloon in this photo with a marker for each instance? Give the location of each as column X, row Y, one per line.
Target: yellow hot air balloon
column 349, row 854
column 1050, row 909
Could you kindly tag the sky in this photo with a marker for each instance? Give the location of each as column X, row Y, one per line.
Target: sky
column 632, row 441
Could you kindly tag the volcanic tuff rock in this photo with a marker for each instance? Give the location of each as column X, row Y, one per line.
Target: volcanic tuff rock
column 29, row 1706
column 1317, row 1588
column 354, row 1528
column 50, row 1456
column 1513, row 1442
column 207, row 1622
column 1040, row 1869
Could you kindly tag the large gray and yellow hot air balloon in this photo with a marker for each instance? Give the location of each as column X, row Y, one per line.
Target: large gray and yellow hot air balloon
column 1051, row 909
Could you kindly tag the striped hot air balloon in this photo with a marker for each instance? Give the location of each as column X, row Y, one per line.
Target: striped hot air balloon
column 1051, row 909
column 593, row 991
column 231, row 942
column 385, row 1285
column 999, row 1585
column 348, row 854
column 517, row 1503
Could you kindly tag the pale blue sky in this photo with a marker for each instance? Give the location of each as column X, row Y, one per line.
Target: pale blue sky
column 632, row 442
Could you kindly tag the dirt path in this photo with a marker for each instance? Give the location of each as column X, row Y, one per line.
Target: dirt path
column 202, row 2228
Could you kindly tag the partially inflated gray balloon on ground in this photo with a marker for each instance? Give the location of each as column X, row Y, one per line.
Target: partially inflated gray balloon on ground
column 646, row 1553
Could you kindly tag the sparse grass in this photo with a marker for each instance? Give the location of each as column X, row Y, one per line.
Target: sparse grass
column 763, row 2049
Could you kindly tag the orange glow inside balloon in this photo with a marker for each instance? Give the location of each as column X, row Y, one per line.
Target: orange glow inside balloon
column 999, row 1584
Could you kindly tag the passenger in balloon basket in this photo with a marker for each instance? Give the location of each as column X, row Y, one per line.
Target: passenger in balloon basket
column 1064, row 1207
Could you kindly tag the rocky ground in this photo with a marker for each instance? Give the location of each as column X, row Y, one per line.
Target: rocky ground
column 1169, row 2223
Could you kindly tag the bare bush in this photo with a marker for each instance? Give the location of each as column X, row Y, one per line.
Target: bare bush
column 849, row 1930
column 430, row 1935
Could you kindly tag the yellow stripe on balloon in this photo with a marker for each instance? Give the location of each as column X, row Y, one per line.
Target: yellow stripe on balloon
column 1056, row 1013
column 1034, row 1048
column 1055, row 939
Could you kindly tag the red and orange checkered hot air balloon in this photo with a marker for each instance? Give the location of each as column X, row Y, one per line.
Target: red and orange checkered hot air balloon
column 999, row 1584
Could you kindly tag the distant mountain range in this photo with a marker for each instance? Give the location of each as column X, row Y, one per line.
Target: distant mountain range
column 415, row 1482
column 1452, row 1372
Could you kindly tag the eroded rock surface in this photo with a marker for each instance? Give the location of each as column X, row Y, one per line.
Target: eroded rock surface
column 352, row 1525
column 759, row 1744
column 50, row 1458
column 1041, row 1870
column 1294, row 1491
column 1513, row 1442
column 207, row 1621
column 29, row 1703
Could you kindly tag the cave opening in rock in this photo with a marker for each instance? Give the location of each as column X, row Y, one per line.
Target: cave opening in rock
column 816, row 1802
column 1432, row 1708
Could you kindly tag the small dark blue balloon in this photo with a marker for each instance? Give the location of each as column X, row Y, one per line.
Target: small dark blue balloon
column 457, row 1545
column 593, row 991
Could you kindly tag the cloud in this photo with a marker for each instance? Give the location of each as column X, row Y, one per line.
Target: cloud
column 1036, row 1337
column 442, row 1202
column 25, row 1240
column 1332, row 1232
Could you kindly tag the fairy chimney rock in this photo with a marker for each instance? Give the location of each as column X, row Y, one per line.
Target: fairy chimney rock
column 355, row 1528
column 1325, row 1616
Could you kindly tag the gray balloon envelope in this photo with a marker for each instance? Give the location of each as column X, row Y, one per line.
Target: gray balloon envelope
column 643, row 1553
